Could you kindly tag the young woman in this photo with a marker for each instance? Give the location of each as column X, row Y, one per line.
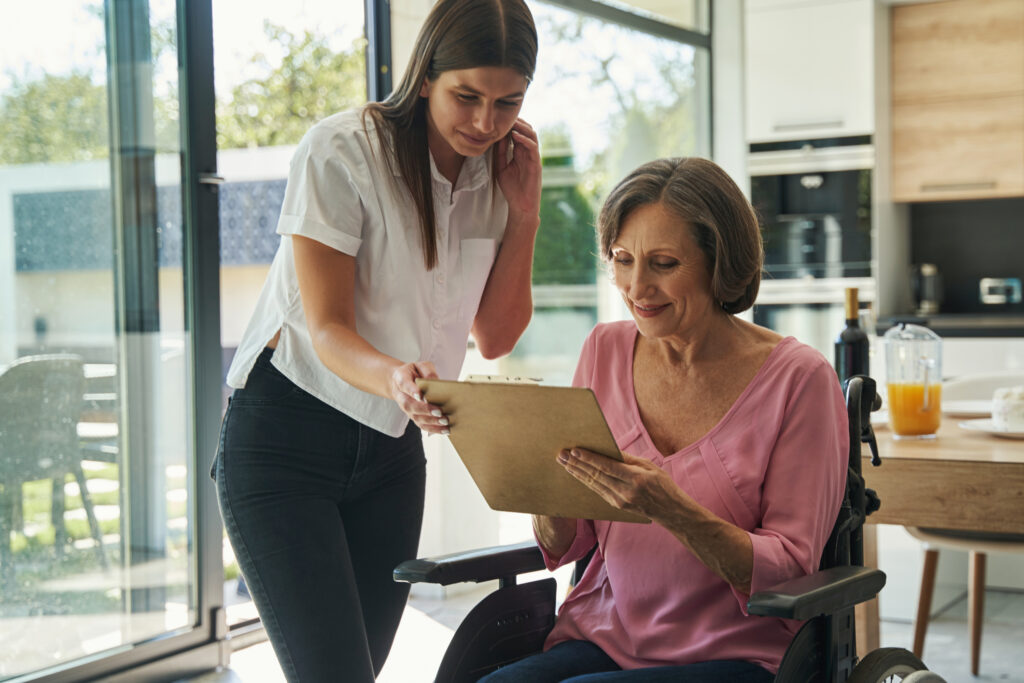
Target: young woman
column 406, row 226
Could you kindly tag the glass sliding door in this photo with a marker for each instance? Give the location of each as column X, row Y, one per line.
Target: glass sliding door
column 99, row 465
column 280, row 68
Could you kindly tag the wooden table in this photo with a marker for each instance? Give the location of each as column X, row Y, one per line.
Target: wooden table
column 959, row 480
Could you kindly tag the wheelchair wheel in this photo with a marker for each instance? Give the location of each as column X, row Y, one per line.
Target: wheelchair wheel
column 887, row 665
column 804, row 661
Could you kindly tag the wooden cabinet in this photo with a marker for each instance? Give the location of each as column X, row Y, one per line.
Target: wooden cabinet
column 958, row 100
column 960, row 49
column 958, row 149
column 809, row 70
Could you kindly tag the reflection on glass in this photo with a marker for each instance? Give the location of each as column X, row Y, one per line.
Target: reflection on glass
column 95, row 528
column 280, row 68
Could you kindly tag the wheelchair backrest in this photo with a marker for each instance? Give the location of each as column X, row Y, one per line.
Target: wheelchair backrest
column 845, row 545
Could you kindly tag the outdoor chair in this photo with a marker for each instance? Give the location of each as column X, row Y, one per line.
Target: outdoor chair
column 513, row 621
column 40, row 403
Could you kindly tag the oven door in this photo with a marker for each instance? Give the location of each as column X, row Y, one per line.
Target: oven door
column 814, row 205
column 810, row 309
column 816, row 224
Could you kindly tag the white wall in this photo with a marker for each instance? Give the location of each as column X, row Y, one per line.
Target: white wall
column 729, row 146
column 406, row 18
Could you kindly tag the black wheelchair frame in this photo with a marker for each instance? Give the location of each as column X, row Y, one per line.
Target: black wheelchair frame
column 513, row 621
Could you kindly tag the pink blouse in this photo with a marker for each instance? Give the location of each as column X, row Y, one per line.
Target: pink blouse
column 775, row 466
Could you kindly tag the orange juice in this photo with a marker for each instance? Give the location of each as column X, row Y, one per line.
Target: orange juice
column 906, row 409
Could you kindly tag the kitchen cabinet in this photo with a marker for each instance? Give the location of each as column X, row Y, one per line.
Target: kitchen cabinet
column 958, row 100
column 809, row 69
column 958, row 149
column 957, row 50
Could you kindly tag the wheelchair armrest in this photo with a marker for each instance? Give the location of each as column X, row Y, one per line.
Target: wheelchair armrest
column 485, row 564
column 822, row 592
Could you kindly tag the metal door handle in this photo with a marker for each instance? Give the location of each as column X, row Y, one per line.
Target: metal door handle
column 801, row 125
column 211, row 179
column 946, row 187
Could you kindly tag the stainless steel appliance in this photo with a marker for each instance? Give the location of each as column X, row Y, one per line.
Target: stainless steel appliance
column 999, row 291
column 813, row 198
column 811, row 311
column 926, row 284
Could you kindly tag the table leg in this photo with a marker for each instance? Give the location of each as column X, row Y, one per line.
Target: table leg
column 866, row 613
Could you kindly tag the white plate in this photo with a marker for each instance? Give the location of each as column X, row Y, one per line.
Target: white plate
column 986, row 425
column 975, row 408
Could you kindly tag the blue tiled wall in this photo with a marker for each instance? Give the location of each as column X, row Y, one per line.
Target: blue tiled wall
column 72, row 230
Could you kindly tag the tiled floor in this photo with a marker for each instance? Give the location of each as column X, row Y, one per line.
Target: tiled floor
column 946, row 645
column 425, row 631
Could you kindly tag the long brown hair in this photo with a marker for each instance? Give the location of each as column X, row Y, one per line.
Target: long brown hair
column 724, row 224
column 457, row 34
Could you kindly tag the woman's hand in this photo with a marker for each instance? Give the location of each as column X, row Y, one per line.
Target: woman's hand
column 506, row 304
column 519, row 178
column 635, row 485
column 409, row 398
column 639, row 486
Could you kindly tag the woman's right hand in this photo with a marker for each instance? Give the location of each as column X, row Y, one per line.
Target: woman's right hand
column 409, row 398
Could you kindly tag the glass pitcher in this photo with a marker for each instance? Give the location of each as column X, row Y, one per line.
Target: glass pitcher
column 913, row 374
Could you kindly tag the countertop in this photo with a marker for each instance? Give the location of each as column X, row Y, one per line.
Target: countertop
column 961, row 324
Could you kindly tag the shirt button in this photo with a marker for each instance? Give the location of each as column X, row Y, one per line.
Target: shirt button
column 437, row 324
column 440, row 279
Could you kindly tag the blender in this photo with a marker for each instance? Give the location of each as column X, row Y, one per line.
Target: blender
column 913, row 372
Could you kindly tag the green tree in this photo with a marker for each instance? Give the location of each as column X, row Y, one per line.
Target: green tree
column 652, row 111
column 566, row 248
column 312, row 81
column 53, row 119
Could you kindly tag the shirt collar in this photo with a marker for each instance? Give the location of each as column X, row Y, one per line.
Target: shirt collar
column 475, row 173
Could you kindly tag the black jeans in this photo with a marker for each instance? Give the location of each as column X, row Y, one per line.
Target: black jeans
column 319, row 509
column 580, row 661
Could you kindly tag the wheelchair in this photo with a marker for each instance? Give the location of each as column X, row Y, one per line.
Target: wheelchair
column 513, row 622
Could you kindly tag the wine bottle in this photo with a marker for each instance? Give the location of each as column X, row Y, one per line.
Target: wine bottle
column 852, row 344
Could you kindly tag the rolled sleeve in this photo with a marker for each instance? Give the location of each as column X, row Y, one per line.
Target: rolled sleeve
column 322, row 201
column 804, row 484
column 581, row 545
column 296, row 225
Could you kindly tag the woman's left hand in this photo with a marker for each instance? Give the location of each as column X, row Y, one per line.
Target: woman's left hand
column 634, row 485
column 519, row 178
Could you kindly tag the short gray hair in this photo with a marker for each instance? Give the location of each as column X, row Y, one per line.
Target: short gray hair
column 724, row 223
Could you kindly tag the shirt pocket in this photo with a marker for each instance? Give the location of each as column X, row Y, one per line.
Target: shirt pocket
column 476, row 258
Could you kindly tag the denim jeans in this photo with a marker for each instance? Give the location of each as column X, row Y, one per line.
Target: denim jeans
column 578, row 661
column 319, row 509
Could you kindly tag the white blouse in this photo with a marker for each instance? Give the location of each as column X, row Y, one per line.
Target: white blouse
column 341, row 194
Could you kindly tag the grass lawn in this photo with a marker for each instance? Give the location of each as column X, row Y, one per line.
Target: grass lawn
column 32, row 542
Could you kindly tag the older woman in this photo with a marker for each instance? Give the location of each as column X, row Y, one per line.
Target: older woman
column 734, row 441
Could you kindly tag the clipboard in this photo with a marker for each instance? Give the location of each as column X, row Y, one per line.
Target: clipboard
column 508, row 436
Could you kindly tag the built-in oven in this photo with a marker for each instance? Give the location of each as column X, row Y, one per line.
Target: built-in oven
column 813, row 199
column 814, row 314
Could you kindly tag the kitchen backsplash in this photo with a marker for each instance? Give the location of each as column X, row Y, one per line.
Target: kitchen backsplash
column 968, row 241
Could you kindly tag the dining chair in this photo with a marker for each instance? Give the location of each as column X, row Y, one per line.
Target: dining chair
column 977, row 544
column 40, row 404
